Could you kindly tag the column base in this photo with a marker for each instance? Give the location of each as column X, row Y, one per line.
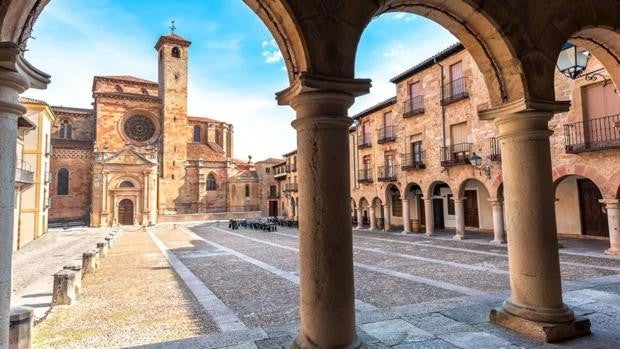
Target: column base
column 299, row 343
column 612, row 252
column 542, row 331
column 497, row 242
column 459, row 237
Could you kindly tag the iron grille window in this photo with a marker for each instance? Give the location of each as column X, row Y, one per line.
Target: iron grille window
column 63, row 182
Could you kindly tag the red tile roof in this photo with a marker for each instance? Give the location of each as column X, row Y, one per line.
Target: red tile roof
column 26, row 100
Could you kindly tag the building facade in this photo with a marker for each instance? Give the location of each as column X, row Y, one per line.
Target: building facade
column 138, row 156
column 285, row 175
column 425, row 160
column 24, row 180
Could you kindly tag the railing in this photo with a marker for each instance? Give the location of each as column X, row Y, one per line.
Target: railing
column 496, row 153
column 386, row 134
column 386, row 173
column 455, row 91
column 365, row 175
column 290, row 187
column 456, row 154
column 23, row 173
column 595, row 134
column 412, row 161
column 288, row 168
column 363, row 141
column 293, row 167
column 413, row 106
column 279, row 170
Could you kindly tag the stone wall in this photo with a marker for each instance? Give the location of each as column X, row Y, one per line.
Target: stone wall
column 75, row 206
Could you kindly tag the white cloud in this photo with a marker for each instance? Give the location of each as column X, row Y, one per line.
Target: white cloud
column 271, row 52
column 403, row 16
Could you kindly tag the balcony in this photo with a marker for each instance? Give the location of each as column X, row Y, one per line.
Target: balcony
column 24, row 173
column 279, row 171
column 46, row 177
column 412, row 161
column 456, row 154
column 364, row 141
column 386, row 173
column 591, row 135
column 290, row 187
column 413, row 106
column 386, row 135
column 364, row 176
column 454, row 91
column 496, row 153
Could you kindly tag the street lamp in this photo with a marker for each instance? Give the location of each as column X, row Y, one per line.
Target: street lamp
column 475, row 160
column 572, row 60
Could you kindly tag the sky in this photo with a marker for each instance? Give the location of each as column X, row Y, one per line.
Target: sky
column 235, row 66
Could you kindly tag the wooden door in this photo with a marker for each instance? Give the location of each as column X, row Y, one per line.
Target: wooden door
column 472, row 218
column 125, row 212
column 273, row 208
column 422, row 210
column 438, row 218
column 593, row 219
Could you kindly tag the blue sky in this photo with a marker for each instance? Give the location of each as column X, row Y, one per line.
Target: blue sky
column 235, row 67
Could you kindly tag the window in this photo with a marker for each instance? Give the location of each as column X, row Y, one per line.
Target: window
column 126, row 184
column 458, row 133
column 267, row 170
column 176, row 52
column 62, row 183
column 416, row 148
column 414, row 89
column 600, row 100
column 273, row 191
column 397, row 203
column 65, row 130
column 196, row 134
column 247, row 190
column 456, row 71
column 217, row 137
column 387, row 123
column 211, row 183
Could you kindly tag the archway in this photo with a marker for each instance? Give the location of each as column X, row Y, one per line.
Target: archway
column 478, row 212
column 126, row 212
column 414, row 195
column 363, row 208
column 376, row 214
column 394, row 204
column 442, row 207
column 577, row 208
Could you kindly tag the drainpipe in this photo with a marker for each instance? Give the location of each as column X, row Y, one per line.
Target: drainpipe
column 443, row 109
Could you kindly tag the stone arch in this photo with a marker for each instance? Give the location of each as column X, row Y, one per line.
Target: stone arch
column 376, row 201
column 607, row 187
column 478, row 211
column 578, row 208
column 412, row 187
column 211, row 181
column 482, row 36
column 117, row 181
column 363, row 203
column 431, row 187
column 463, row 184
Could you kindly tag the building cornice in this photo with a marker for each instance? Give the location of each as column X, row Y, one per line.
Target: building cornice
column 127, row 96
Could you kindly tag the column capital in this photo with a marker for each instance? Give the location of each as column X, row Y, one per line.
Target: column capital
column 524, row 105
column 610, row 203
column 305, row 83
column 495, row 201
column 458, row 200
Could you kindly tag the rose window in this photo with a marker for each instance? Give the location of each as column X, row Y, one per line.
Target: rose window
column 139, row 128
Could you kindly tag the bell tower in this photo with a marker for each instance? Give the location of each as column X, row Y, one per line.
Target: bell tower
column 172, row 76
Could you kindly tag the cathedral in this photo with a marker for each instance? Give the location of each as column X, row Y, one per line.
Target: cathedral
column 137, row 157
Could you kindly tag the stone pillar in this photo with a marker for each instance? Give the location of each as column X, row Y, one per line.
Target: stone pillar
column 373, row 218
column 12, row 83
column 327, row 310
column 459, row 211
column 102, row 247
column 406, row 217
column 145, row 198
column 535, row 306
column 386, row 217
column 64, row 287
column 613, row 219
column 428, row 217
column 89, row 262
column 105, row 213
column 360, row 218
column 498, row 222
column 20, row 336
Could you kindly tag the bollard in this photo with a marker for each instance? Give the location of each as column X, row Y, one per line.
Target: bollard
column 20, row 328
column 110, row 241
column 64, row 288
column 77, row 269
column 102, row 247
column 89, row 262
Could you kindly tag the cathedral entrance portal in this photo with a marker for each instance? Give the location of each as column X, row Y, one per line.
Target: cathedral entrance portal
column 125, row 212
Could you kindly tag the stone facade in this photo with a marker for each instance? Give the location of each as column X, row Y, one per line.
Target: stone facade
column 137, row 155
column 285, row 175
column 450, row 133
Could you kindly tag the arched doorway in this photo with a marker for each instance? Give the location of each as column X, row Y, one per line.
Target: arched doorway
column 394, row 202
column 443, row 205
column 125, row 212
column 413, row 192
column 477, row 207
column 577, row 208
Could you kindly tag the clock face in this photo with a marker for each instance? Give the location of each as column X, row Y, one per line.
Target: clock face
column 139, row 128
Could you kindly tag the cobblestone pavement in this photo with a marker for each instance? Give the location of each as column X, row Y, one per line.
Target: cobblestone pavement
column 411, row 291
column 35, row 264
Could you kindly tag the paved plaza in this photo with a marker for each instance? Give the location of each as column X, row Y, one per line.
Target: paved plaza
column 204, row 286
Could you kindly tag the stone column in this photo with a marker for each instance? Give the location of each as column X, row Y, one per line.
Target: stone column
column 428, row 217
column 145, row 198
column 16, row 75
column 373, row 218
column 613, row 219
column 327, row 311
column 406, row 217
column 105, row 213
column 459, row 211
column 535, row 306
column 360, row 218
column 386, row 217
column 498, row 222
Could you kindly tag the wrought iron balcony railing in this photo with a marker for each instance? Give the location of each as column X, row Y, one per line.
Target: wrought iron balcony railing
column 386, row 134
column 365, row 175
column 413, row 106
column 364, row 140
column 24, row 173
column 496, row 153
column 279, row 171
column 591, row 135
column 386, row 173
column 412, row 161
column 290, row 187
column 454, row 91
column 455, row 154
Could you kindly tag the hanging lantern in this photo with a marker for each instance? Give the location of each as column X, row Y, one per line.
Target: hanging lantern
column 572, row 60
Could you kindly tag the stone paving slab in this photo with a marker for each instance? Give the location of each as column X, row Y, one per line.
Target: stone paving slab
column 394, row 332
